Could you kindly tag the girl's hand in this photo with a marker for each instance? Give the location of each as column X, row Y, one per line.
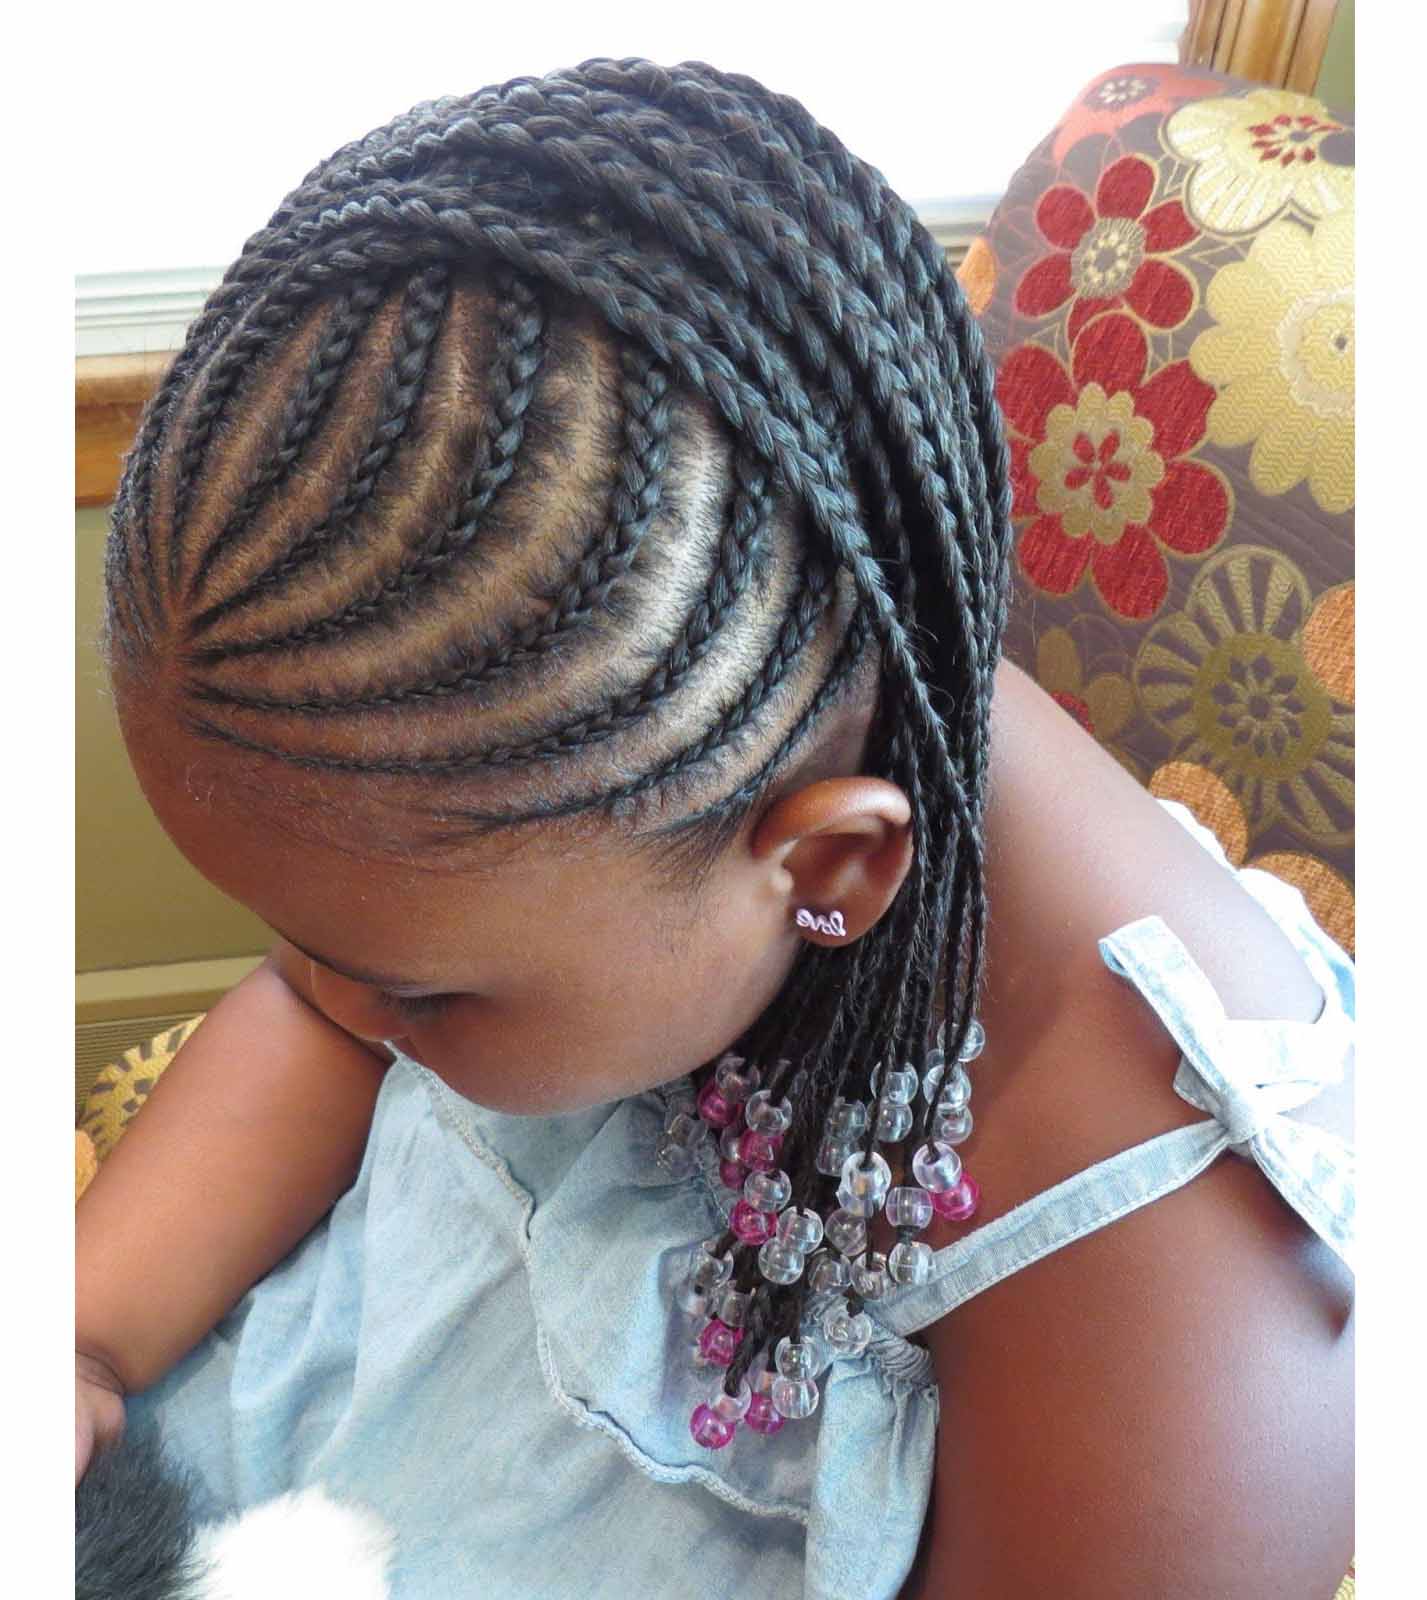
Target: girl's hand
column 98, row 1410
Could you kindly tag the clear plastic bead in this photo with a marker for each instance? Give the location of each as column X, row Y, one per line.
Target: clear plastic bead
column 736, row 1080
column 933, row 1070
column 676, row 1159
column 864, row 1185
column 846, row 1231
column 847, row 1118
column 733, row 1307
column 801, row 1227
column 900, row 1088
column 952, row 1127
column 894, row 1121
column 731, row 1407
column 910, row 1260
column 684, row 1129
column 975, row 1042
column 936, row 1166
column 765, row 1115
column 806, row 1357
column 870, row 1278
column 768, row 1191
column 710, row 1270
column 955, row 1091
column 827, row 1271
column 833, row 1153
column 794, row 1398
column 909, row 1208
column 781, row 1262
column 846, row 1334
column 728, row 1141
column 692, row 1300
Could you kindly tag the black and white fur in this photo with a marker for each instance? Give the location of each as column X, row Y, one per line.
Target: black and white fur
column 137, row 1538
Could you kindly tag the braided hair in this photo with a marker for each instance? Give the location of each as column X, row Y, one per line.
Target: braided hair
column 579, row 442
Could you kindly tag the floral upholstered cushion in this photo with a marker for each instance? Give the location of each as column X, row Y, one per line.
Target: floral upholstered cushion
column 1167, row 292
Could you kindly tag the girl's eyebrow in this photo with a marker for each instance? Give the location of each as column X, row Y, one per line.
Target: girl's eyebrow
column 355, row 974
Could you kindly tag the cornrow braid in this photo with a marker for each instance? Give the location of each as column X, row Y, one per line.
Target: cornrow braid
column 306, row 410
column 671, row 294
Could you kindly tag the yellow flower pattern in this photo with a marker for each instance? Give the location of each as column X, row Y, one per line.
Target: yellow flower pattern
column 1282, row 357
column 1097, row 465
column 1255, row 154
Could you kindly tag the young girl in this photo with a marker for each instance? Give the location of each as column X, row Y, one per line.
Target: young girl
column 558, row 587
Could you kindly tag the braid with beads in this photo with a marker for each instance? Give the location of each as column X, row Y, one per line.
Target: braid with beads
column 612, row 398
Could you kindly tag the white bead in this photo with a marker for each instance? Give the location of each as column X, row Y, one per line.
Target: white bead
column 846, row 1335
column 900, row 1088
column 869, row 1275
column 864, row 1185
column 909, row 1207
column 910, row 1261
column 832, row 1154
column 691, row 1300
column 733, row 1307
column 734, row 1082
column 847, row 1117
column 937, row 1167
column 762, row 1114
column 780, row 1262
column 975, row 1042
column 955, row 1092
column 846, row 1231
column 828, row 1271
column 676, row 1159
column 731, row 1407
column 709, row 1269
column 952, row 1127
column 794, row 1398
column 894, row 1121
column 801, row 1227
column 806, row 1357
column 768, row 1191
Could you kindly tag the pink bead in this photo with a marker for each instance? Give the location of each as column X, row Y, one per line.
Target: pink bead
column 760, row 1150
column 709, row 1429
column 752, row 1226
column 719, row 1343
column 960, row 1203
column 732, row 1174
column 762, row 1417
column 717, row 1111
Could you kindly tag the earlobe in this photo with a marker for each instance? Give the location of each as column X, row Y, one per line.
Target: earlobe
column 845, row 845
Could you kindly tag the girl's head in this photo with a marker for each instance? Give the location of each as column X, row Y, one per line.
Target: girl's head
column 572, row 538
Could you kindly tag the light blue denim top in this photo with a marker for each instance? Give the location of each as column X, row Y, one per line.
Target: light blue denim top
column 479, row 1342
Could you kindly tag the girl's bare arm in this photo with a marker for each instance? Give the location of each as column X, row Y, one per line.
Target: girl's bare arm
column 245, row 1143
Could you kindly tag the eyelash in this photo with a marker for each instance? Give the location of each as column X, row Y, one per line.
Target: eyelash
column 416, row 1007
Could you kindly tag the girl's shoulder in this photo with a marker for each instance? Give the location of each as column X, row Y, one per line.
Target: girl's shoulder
column 1129, row 1396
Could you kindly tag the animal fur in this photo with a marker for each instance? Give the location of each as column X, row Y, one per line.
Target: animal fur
column 136, row 1538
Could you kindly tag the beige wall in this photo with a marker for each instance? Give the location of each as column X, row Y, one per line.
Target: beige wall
column 138, row 901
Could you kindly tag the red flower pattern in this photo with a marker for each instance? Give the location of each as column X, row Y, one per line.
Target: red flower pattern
column 1109, row 250
column 1109, row 483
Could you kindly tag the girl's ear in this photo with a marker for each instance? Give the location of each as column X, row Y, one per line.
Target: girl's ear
column 840, row 844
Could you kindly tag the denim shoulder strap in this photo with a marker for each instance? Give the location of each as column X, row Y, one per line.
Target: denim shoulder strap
column 1246, row 1074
